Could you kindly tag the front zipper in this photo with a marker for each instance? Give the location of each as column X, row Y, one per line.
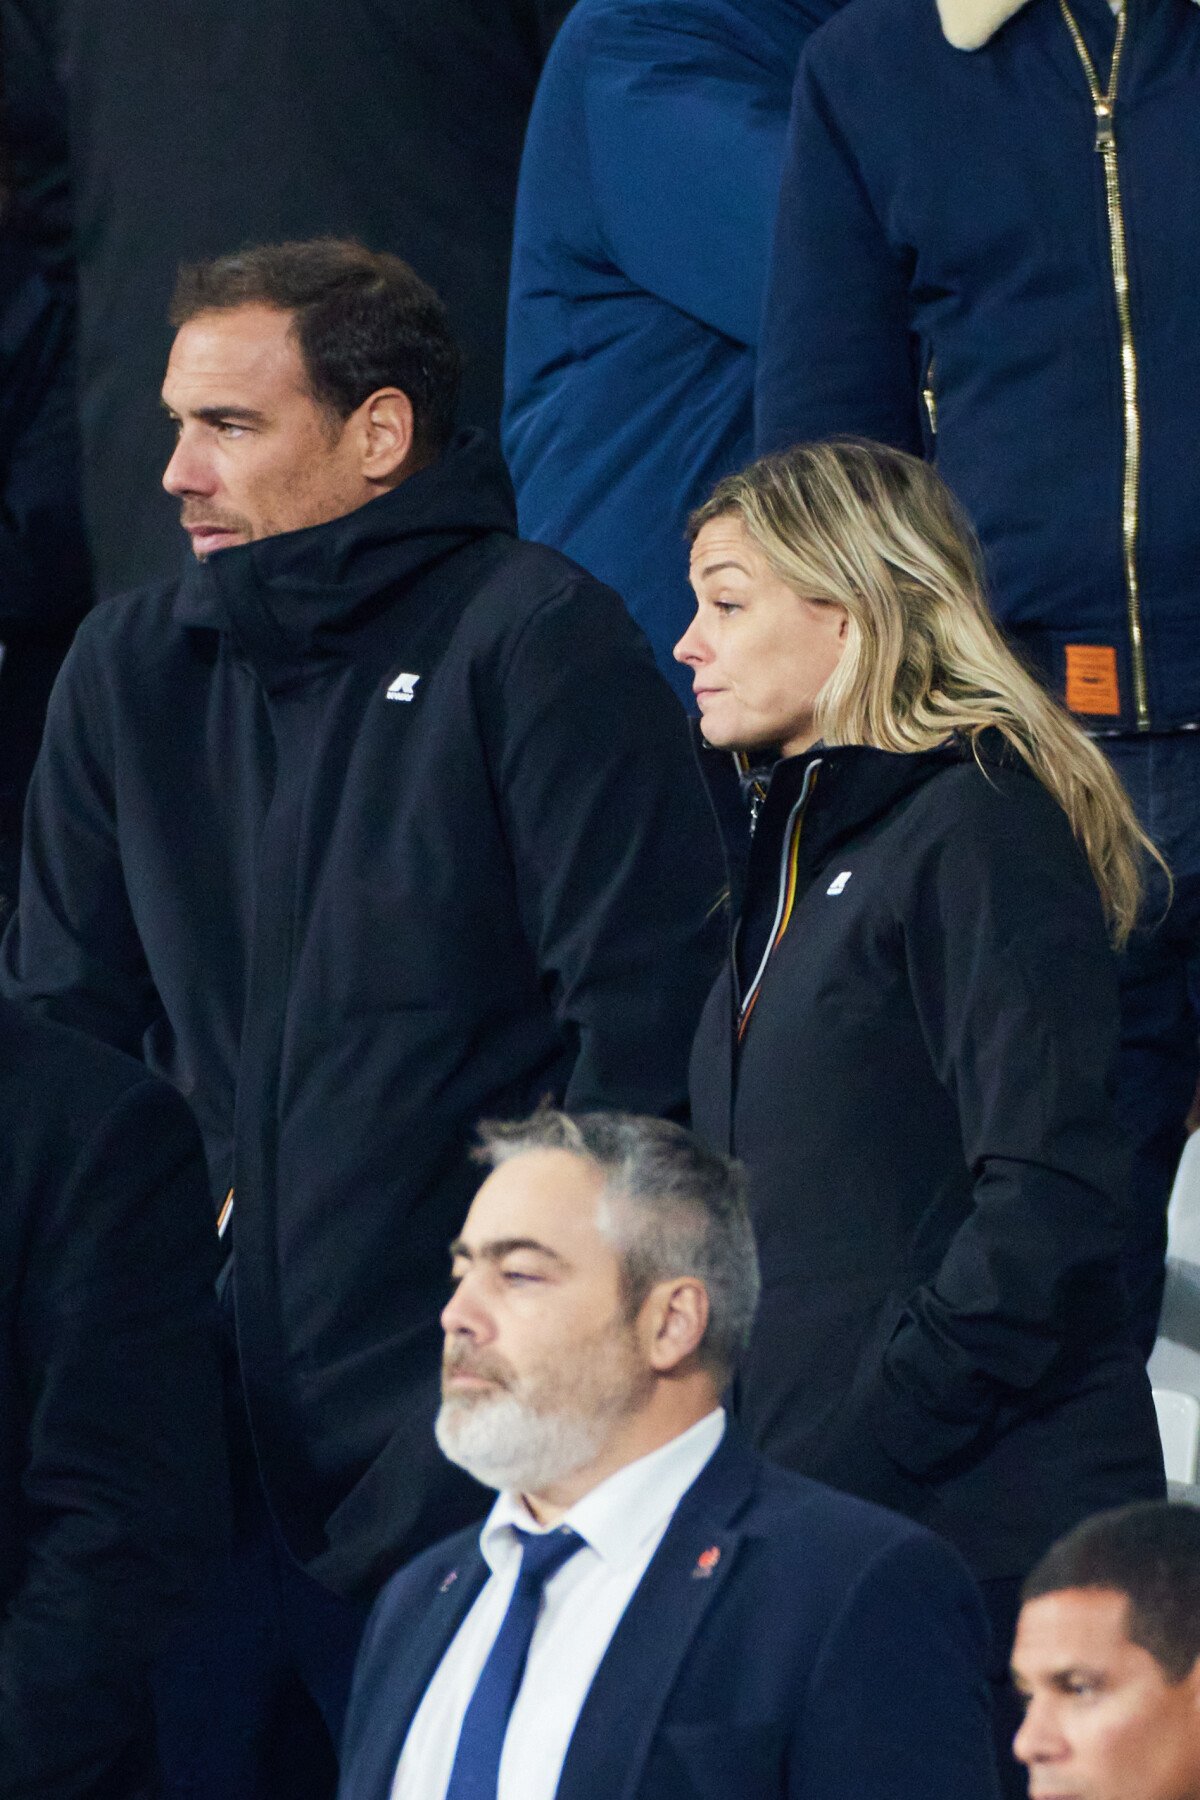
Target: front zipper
column 758, row 789
column 1103, row 104
column 787, row 894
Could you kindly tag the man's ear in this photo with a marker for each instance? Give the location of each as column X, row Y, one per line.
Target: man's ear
column 386, row 435
column 676, row 1316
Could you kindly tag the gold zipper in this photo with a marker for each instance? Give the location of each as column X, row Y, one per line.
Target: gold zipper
column 1106, row 145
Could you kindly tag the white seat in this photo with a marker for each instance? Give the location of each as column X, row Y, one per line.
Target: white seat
column 1183, row 1214
column 1179, row 1429
column 1175, row 1362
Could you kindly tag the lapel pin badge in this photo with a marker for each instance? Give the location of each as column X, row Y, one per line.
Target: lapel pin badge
column 706, row 1562
column 449, row 1582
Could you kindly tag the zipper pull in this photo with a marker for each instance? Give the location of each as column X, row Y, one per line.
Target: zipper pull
column 1104, row 127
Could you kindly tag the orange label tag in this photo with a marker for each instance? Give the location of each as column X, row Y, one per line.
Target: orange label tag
column 1092, row 679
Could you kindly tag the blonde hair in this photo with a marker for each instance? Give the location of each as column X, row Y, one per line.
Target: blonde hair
column 877, row 532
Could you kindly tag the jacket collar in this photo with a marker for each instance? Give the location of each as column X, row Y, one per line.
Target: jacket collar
column 855, row 785
column 289, row 600
column 969, row 24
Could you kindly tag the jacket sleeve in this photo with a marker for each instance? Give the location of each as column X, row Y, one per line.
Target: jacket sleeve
column 836, row 354
column 125, row 1487
column 72, row 948
column 1015, row 988
column 904, row 1661
column 685, row 143
column 617, row 860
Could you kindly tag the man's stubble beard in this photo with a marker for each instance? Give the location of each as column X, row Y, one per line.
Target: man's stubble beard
column 537, row 1430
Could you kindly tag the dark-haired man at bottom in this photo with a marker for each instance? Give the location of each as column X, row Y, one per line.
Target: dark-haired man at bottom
column 651, row 1611
column 376, row 822
column 1107, row 1656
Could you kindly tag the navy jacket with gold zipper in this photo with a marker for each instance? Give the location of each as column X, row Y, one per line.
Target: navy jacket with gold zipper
column 982, row 229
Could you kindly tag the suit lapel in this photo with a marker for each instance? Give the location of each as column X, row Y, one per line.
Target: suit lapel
column 620, row 1716
column 407, row 1674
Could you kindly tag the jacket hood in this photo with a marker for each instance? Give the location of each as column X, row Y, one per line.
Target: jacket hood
column 969, row 24
column 289, row 597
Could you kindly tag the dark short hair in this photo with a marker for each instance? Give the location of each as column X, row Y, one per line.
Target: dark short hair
column 363, row 319
column 671, row 1208
column 1151, row 1554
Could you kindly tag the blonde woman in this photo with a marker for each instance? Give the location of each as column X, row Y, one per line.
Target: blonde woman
column 911, row 1046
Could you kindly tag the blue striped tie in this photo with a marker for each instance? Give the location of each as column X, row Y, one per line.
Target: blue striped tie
column 476, row 1771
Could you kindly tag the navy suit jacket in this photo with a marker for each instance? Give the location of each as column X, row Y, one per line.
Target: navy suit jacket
column 830, row 1651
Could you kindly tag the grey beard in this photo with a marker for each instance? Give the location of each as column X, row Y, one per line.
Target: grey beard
column 504, row 1444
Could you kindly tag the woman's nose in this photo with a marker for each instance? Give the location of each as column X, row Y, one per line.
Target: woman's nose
column 691, row 647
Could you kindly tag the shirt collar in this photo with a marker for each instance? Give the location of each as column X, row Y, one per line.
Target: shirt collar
column 618, row 1518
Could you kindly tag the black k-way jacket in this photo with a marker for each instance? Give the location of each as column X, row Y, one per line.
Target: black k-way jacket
column 113, row 1484
column 922, row 1097
column 364, row 832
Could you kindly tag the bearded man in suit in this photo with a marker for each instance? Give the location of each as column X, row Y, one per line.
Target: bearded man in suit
column 651, row 1610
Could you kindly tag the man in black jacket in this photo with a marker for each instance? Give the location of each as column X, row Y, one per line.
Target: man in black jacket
column 377, row 822
column 113, row 1491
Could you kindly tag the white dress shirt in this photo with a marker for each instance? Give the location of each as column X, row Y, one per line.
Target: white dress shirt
column 622, row 1523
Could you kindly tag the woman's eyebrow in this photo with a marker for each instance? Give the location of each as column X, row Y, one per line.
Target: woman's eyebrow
column 715, row 568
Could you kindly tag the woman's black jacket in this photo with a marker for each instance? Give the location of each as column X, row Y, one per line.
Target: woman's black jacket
column 922, row 1095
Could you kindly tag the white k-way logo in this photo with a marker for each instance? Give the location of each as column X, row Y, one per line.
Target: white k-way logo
column 403, row 687
column 838, row 884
